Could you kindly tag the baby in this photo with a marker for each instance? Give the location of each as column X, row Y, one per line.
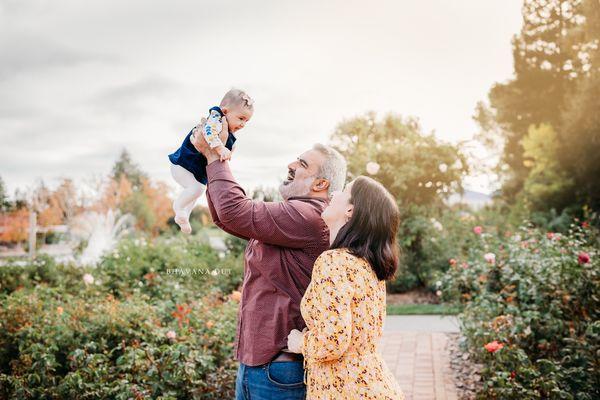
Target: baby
column 188, row 165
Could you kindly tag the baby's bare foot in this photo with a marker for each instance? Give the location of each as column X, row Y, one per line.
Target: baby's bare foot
column 184, row 224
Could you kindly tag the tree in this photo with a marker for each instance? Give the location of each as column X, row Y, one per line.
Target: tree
column 125, row 166
column 66, row 199
column 548, row 185
column 419, row 171
column 547, row 66
column 416, row 168
column 159, row 203
column 580, row 133
column 4, row 202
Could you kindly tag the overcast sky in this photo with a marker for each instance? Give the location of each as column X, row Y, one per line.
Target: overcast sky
column 80, row 80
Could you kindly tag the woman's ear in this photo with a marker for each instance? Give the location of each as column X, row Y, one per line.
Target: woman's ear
column 349, row 211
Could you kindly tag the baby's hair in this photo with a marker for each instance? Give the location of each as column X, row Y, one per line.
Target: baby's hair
column 237, row 97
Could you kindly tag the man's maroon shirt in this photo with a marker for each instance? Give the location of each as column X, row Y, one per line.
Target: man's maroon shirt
column 284, row 240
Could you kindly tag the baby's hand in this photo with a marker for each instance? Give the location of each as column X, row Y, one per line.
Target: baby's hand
column 224, row 153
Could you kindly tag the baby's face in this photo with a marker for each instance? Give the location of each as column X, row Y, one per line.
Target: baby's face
column 237, row 116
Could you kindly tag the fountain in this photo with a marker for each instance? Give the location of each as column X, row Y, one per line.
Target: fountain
column 102, row 232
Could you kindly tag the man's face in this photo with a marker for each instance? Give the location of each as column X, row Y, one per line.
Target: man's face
column 301, row 174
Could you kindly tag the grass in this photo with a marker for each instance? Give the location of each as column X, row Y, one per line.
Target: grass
column 421, row 309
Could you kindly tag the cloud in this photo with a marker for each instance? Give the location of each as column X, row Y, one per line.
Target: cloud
column 131, row 99
column 79, row 80
column 24, row 55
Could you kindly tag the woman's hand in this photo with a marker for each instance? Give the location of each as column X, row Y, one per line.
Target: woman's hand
column 295, row 340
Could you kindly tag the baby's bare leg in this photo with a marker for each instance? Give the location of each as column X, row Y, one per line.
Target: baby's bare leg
column 186, row 200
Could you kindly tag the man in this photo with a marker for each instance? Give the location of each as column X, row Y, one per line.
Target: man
column 284, row 240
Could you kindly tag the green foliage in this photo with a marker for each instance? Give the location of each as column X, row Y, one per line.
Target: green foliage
column 546, row 68
column 4, row 203
column 547, row 185
column 416, row 168
column 137, row 204
column 419, row 171
column 235, row 245
column 140, row 329
column 540, row 299
column 556, row 83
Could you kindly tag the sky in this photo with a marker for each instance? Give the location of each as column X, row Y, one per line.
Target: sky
column 81, row 80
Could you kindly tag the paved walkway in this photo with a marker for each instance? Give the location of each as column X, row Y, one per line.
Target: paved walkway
column 414, row 348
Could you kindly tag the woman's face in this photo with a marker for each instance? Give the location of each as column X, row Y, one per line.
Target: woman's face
column 339, row 210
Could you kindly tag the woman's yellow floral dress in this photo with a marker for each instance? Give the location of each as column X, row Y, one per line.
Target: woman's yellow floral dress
column 344, row 310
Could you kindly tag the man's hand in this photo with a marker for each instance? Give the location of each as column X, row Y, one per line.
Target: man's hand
column 202, row 146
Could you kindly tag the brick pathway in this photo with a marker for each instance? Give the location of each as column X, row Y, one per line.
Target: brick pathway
column 420, row 362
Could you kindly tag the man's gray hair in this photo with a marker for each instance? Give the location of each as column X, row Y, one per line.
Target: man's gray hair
column 333, row 168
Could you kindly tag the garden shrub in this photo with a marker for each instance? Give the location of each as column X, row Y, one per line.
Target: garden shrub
column 125, row 329
column 531, row 311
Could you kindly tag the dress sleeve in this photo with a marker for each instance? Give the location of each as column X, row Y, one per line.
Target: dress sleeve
column 212, row 129
column 331, row 298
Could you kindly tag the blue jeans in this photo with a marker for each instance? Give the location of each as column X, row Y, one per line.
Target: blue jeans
column 280, row 380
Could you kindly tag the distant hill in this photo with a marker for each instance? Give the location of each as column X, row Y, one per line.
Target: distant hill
column 473, row 199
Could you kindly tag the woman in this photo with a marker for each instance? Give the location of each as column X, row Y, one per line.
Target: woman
column 344, row 304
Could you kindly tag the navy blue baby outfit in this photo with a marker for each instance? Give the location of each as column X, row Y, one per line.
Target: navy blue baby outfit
column 191, row 159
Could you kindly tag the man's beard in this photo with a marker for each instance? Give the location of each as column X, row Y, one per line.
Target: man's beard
column 295, row 188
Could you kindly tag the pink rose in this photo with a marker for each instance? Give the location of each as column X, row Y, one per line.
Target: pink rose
column 478, row 230
column 583, row 258
column 494, row 346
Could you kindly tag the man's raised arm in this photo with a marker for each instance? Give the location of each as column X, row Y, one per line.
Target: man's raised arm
column 217, row 221
column 291, row 223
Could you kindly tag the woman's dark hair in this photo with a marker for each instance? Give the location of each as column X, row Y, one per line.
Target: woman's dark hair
column 371, row 231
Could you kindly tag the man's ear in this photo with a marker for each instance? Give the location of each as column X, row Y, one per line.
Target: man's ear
column 320, row 185
column 225, row 110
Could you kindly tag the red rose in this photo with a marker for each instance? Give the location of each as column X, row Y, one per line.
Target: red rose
column 583, row 258
column 585, row 224
column 513, row 375
column 494, row 346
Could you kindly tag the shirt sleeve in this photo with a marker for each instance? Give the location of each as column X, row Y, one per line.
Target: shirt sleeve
column 331, row 297
column 216, row 220
column 292, row 223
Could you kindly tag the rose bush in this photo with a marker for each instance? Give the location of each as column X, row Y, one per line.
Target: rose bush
column 531, row 311
column 126, row 329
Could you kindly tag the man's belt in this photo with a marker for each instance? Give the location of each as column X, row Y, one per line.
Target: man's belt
column 285, row 356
